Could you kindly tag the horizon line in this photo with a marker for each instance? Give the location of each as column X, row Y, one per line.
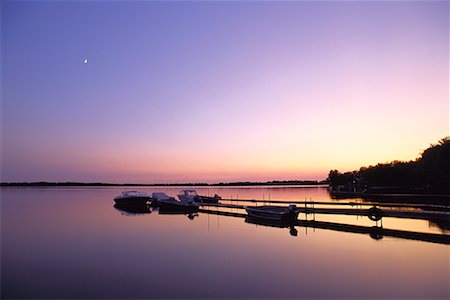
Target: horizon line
column 77, row 183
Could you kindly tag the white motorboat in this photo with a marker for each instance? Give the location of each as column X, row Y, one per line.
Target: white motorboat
column 158, row 196
column 191, row 195
column 187, row 195
column 182, row 204
column 132, row 198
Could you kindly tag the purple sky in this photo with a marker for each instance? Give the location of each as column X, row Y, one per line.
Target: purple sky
column 218, row 91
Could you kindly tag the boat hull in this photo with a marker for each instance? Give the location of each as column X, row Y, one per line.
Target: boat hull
column 191, row 195
column 131, row 200
column 205, row 199
column 272, row 213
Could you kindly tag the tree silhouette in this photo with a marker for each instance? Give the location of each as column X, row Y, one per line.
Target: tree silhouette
column 428, row 173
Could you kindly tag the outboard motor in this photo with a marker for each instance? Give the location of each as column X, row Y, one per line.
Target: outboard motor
column 292, row 207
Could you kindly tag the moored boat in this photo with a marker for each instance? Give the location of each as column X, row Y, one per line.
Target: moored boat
column 208, row 199
column 181, row 205
column 191, row 195
column 158, row 196
column 132, row 198
column 269, row 212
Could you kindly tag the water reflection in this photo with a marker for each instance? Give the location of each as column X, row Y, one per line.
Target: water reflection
column 132, row 210
column 273, row 223
column 376, row 232
column 70, row 243
column 191, row 215
column 444, row 225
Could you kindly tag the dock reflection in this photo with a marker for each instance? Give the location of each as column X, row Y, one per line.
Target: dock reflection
column 375, row 232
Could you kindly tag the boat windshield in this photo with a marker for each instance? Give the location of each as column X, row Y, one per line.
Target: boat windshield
column 188, row 193
column 134, row 193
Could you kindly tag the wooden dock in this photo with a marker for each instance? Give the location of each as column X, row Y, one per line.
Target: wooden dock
column 391, row 210
column 341, row 203
column 374, row 232
column 391, row 213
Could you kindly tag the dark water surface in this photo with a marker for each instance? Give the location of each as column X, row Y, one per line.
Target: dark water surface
column 72, row 243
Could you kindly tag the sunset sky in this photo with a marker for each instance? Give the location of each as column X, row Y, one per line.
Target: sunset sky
column 218, row 91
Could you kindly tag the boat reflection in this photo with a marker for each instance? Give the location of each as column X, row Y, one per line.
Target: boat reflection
column 132, row 210
column 191, row 215
column 273, row 223
column 444, row 225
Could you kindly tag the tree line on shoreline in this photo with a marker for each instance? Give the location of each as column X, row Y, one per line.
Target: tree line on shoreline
column 238, row 183
column 429, row 173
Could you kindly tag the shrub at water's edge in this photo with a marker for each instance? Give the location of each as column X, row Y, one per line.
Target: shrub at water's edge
column 430, row 173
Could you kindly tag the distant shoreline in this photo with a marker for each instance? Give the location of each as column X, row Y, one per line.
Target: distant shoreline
column 247, row 183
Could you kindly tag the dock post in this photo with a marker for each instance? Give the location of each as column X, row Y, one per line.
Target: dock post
column 218, row 224
column 314, row 214
column 306, row 210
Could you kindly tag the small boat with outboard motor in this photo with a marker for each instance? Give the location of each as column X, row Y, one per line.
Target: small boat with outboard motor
column 269, row 212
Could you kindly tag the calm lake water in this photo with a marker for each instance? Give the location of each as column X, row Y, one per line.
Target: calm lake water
column 72, row 243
